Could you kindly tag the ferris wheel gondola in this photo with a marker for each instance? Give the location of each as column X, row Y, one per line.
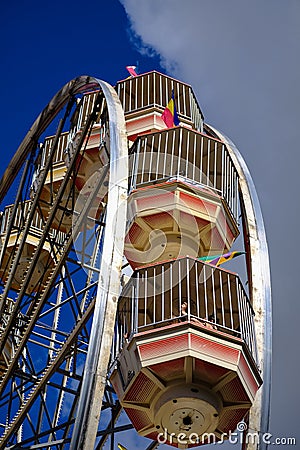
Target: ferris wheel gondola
column 106, row 302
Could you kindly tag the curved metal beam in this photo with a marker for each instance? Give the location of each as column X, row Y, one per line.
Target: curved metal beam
column 95, row 372
column 259, row 287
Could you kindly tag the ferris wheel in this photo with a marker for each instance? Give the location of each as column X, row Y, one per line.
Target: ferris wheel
column 116, row 313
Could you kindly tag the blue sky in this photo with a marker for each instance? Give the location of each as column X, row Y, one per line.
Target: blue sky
column 241, row 58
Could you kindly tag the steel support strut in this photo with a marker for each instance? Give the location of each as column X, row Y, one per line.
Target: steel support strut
column 259, row 290
column 95, row 372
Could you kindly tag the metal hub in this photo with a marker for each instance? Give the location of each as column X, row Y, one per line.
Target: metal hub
column 187, row 409
column 186, row 420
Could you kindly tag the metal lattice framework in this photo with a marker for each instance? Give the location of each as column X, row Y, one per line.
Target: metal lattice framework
column 48, row 325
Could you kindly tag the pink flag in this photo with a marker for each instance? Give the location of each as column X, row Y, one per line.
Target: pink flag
column 131, row 70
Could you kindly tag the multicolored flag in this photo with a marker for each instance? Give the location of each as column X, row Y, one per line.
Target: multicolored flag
column 220, row 259
column 169, row 115
column 131, row 70
column 208, row 258
column 121, row 447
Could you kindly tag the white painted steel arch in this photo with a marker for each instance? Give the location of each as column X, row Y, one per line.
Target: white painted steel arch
column 259, row 288
column 95, row 371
